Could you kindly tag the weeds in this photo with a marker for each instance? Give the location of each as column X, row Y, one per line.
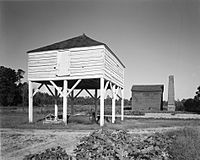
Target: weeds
column 187, row 144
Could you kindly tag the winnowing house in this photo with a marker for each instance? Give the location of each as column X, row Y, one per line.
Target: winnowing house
column 76, row 64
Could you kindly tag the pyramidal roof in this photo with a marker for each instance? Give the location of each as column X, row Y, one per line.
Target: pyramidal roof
column 80, row 41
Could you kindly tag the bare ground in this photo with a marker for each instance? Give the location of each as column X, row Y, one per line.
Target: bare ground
column 16, row 143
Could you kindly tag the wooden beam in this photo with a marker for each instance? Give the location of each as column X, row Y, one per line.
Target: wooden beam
column 77, row 82
column 56, row 104
column 49, row 90
column 30, row 104
column 95, row 103
column 58, row 89
column 89, row 93
column 113, row 103
column 122, row 105
column 78, row 93
column 65, row 102
column 72, row 102
column 38, row 89
column 102, row 102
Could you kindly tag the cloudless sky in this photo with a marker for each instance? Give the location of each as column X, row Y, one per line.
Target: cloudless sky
column 153, row 38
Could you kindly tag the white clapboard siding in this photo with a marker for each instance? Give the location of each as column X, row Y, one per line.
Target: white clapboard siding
column 113, row 68
column 114, row 79
column 42, row 64
column 76, row 63
column 86, row 62
column 71, row 63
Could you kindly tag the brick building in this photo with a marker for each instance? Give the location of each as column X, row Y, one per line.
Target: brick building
column 147, row 97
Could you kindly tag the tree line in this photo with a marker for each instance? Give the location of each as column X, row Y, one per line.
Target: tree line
column 13, row 92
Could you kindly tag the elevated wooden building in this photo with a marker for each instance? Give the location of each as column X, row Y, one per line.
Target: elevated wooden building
column 79, row 63
column 147, row 97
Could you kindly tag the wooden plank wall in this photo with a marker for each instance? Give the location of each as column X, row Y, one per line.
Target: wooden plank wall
column 113, row 69
column 86, row 63
column 42, row 64
column 83, row 63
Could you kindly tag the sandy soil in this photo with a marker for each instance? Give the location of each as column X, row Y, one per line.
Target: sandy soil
column 16, row 143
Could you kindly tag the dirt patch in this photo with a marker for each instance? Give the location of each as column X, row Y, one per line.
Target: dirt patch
column 16, row 143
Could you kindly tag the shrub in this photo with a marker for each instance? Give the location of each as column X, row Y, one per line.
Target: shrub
column 192, row 105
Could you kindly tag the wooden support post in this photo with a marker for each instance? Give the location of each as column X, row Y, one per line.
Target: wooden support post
column 30, row 104
column 113, row 103
column 65, row 102
column 56, row 104
column 72, row 103
column 102, row 102
column 122, row 104
column 95, row 103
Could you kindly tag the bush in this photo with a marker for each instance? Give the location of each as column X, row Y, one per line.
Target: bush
column 192, row 105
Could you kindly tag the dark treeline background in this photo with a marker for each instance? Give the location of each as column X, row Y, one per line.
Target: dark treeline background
column 15, row 93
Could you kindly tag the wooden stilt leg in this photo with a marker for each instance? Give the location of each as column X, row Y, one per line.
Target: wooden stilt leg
column 95, row 103
column 122, row 105
column 102, row 102
column 72, row 102
column 113, row 104
column 65, row 102
column 56, row 104
column 30, row 105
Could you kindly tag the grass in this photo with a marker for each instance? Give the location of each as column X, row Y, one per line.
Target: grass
column 185, row 147
column 19, row 119
column 187, row 144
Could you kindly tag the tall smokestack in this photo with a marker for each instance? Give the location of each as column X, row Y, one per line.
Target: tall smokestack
column 171, row 102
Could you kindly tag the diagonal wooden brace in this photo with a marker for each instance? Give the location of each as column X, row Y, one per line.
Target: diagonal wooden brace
column 38, row 89
column 78, row 93
column 58, row 89
column 89, row 93
column 106, row 86
column 74, row 87
column 49, row 90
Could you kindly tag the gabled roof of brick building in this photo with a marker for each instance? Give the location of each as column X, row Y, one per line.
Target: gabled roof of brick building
column 79, row 41
column 147, row 88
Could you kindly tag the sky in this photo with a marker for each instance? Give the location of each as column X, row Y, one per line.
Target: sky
column 153, row 38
